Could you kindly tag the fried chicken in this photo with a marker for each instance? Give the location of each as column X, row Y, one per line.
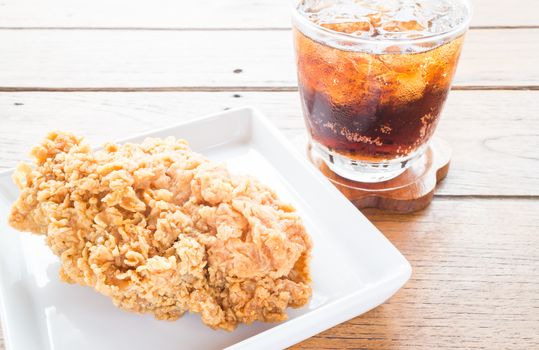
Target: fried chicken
column 161, row 229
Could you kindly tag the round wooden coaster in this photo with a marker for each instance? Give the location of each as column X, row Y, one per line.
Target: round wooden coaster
column 411, row 191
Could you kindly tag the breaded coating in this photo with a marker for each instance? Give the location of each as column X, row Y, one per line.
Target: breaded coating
column 161, row 229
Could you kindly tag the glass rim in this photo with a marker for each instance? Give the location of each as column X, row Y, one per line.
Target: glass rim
column 454, row 32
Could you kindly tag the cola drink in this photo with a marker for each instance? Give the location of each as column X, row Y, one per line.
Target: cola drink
column 373, row 78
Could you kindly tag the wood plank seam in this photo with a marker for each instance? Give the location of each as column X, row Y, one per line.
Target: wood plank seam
column 487, row 196
column 230, row 88
column 215, row 29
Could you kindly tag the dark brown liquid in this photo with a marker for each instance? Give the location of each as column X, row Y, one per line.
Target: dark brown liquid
column 371, row 107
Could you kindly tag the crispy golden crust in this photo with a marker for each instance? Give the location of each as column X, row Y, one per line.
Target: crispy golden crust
column 161, row 229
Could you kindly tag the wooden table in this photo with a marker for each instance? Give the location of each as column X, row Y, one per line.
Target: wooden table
column 107, row 69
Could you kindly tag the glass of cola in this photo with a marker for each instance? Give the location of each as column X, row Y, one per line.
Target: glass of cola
column 373, row 77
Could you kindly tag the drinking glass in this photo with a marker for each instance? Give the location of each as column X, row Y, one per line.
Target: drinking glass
column 373, row 77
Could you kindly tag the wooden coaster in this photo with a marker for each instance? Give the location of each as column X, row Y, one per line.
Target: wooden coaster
column 411, row 191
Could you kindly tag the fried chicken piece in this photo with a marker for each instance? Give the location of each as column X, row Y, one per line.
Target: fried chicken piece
column 161, row 229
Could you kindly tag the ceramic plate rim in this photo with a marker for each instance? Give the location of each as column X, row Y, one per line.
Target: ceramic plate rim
column 355, row 299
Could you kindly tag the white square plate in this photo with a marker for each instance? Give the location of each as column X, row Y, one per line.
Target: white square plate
column 354, row 267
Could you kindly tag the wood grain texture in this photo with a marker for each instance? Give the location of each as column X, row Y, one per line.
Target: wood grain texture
column 494, row 134
column 77, row 59
column 474, row 286
column 207, row 13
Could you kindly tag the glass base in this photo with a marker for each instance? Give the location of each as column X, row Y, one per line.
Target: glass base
column 362, row 171
column 410, row 191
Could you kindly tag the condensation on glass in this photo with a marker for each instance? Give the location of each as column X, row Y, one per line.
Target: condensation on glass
column 373, row 78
